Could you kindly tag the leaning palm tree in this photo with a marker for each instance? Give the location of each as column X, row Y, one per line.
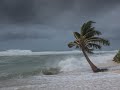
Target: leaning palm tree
column 87, row 40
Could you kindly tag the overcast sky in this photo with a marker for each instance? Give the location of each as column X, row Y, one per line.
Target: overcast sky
column 45, row 25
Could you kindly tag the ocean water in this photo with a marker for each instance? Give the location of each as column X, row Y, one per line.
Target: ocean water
column 23, row 64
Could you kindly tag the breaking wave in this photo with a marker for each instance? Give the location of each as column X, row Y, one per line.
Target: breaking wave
column 24, row 63
column 29, row 52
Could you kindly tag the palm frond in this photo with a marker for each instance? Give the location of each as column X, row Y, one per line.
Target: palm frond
column 93, row 46
column 72, row 44
column 89, row 50
column 76, row 35
column 86, row 27
column 92, row 32
column 98, row 40
column 77, row 44
column 77, row 47
column 83, row 28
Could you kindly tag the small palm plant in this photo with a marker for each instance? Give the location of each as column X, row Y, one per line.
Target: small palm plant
column 87, row 40
column 117, row 57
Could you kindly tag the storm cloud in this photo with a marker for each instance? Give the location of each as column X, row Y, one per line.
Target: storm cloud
column 16, row 32
column 47, row 11
column 55, row 20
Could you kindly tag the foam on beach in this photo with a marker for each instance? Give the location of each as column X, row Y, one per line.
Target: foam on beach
column 73, row 81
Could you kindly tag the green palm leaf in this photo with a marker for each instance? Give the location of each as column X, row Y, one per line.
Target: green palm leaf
column 89, row 50
column 98, row 40
column 92, row 32
column 71, row 44
column 86, row 27
column 93, row 45
column 76, row 35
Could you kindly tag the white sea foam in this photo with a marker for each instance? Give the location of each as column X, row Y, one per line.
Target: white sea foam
column 74, row 63
column 72, row 77
column 70, row 64
column 89, row 81
column 15, row 52
column 29, row 52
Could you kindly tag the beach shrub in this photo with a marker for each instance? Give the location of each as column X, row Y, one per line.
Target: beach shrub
column 117, row 57
column 51, row 71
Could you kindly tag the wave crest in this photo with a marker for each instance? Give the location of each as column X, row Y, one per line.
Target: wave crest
column 13, row 52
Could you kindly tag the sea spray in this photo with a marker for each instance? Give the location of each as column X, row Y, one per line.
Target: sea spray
column 74, row 63
column 70, row 64
column 27, row 63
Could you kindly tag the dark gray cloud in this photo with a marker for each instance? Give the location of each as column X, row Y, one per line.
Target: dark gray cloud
column 16, row 32
column 16, row 11
column 22, row 35
column 47, row 11
column 55, row 20
column 108, row 23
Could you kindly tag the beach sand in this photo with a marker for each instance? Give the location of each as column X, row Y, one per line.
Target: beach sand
column 74, row 80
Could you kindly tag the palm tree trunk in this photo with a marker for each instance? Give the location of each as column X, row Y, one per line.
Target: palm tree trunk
column 94, row 68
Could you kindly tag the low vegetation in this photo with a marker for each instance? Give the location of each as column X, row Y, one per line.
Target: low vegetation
column 117, row 57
